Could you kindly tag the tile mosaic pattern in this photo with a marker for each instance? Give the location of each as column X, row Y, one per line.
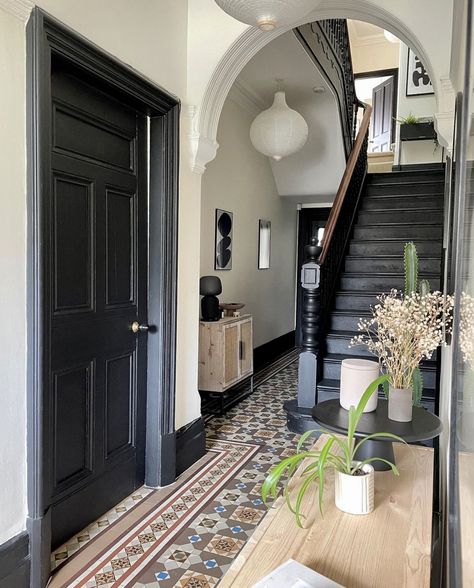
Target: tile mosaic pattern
column 79, row 541
column 192, row 537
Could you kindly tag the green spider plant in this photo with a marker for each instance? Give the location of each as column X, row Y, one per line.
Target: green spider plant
column 338, row 453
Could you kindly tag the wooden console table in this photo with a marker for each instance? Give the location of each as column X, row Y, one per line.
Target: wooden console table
column 225, row 355
column 391, row 547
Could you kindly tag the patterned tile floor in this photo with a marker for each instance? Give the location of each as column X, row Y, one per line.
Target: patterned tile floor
column 190, row 539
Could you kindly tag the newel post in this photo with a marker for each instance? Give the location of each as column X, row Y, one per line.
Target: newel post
column 299, row 417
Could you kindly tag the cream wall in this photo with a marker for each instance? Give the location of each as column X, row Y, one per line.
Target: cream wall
column 240, row 180
column 373, row 57
column 151, row 37
column 420, row 106
column 12, row 283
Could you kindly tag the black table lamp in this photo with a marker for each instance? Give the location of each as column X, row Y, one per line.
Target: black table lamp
column 209, row 287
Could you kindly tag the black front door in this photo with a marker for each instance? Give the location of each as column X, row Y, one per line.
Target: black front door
column 382, row 116
column 96, row 287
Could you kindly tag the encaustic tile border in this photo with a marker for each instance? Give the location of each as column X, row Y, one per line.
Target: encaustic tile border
column 154, row 532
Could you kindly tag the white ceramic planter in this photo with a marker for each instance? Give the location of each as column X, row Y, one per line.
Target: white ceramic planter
column 356, row 375
column 400, row 404
column 355, row 494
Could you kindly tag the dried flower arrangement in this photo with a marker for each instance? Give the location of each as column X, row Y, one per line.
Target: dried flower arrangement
column 404, row 330
column 466, row 331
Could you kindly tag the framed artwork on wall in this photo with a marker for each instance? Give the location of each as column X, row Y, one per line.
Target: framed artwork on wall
column 264, row 243
column 223, row 249
column 418, row 80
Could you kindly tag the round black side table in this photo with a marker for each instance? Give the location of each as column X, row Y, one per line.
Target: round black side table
column 425, row 425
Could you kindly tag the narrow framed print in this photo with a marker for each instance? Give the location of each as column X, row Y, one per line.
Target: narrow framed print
column 264, row 243
column 223, row 248
column 418, row 80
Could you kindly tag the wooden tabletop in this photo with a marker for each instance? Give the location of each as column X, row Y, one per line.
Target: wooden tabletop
column 391, row 547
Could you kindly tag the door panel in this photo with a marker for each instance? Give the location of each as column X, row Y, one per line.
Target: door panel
column 246, row 348
column 72, row 425
column 231, row 351
column 98, row 275
column 121, row 247
column 120, row 400
column 382, row 116
column 73, row 236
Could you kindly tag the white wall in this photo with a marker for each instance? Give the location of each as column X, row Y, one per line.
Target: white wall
column 12, row 283
column 240, row 180
column 373, row 57
column 421, row 106
column 152, row 38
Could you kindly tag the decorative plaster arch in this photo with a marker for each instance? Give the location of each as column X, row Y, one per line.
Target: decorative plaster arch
column 203, row 137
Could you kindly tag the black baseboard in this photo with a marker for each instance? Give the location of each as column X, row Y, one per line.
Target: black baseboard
column 190, row 445
column 15, row 562
column 268, row 352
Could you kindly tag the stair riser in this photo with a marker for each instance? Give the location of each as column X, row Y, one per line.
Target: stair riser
column 402, row 203
column 407, row 189
column 393, row 248
column 332, row 371
column 377, row 283
column 344, row 322
column 405, row 177
column 434, row 232
column 388, row 265
column 354, row 302
column 341, row 345
column 326, row 394
column 400, row 216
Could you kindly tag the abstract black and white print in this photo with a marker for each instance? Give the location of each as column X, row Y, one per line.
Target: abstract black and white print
column 418, row 80
column 224, row 228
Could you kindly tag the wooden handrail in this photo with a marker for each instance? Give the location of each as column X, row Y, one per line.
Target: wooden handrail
column 343, row 186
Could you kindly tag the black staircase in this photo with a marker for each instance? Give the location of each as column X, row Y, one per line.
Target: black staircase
column 327, row 44
column 394, row 208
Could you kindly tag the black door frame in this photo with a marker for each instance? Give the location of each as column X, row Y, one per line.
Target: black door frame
column 46, row 37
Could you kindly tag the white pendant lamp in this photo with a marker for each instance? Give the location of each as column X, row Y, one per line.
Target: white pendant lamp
column 279, row 131
column 267, row 14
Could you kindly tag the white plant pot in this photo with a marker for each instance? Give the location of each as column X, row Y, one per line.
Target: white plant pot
column 355, row 494
column 400, row 404
column 356, row 375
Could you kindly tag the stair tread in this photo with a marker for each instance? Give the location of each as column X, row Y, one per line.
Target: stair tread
column 428, row 365
column 387, row 256
column 398, row 224
column 336, row 384
column 382, row 274
column 439, row 181
column 396, row 239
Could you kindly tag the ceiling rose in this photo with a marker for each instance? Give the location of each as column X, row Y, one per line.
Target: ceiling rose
column 267, row 14
column 279, row 131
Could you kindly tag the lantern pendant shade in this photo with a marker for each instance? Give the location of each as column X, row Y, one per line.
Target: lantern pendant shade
column 267, row 14
column 279, row 131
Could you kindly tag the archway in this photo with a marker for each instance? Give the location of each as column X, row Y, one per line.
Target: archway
column 203, row 140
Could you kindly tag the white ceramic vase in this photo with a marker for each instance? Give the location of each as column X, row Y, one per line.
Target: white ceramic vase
column 356, row 375
column 355, row 494
column 400, row 404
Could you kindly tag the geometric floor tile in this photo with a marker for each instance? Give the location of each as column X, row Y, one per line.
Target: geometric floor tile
column 190, row 538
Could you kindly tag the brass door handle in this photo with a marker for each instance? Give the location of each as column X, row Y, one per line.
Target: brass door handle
column 136, row 327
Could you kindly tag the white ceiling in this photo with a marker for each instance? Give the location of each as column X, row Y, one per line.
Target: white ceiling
column 312, row 174
column 363, row 33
